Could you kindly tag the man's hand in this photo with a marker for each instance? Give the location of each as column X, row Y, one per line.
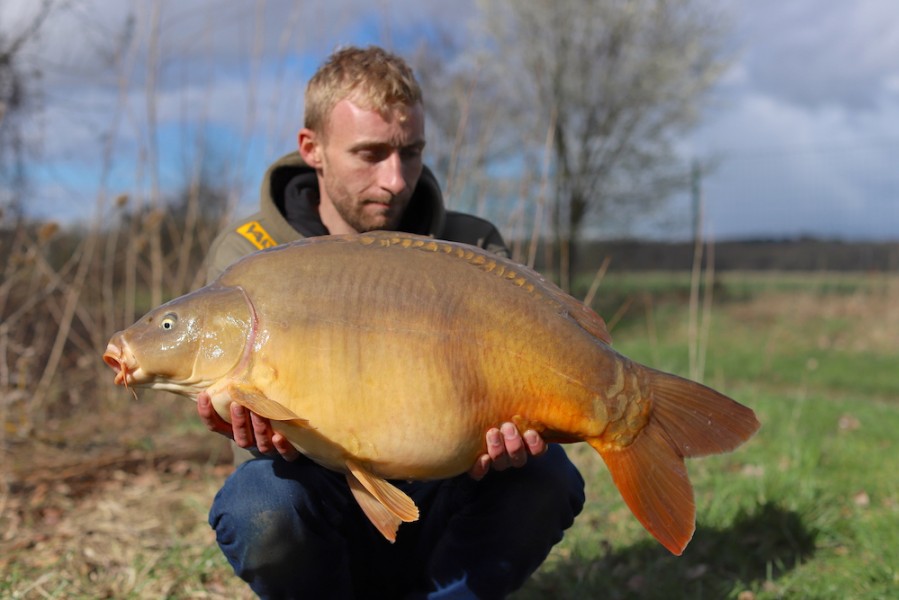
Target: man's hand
column 247, row 428
column 506, row 447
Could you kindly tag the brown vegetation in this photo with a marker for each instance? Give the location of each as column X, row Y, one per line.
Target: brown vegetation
column 72, row 446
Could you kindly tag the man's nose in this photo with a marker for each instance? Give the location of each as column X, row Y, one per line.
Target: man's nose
column 391, row 174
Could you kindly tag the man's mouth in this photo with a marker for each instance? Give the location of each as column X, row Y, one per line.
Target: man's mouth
column 379, row 205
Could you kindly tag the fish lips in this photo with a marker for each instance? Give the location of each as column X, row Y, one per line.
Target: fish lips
column 121, row 360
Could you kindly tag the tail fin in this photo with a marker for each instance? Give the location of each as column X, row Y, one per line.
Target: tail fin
column 688, row 419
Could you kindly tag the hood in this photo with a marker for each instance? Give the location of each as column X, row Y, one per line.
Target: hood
column 425, row 214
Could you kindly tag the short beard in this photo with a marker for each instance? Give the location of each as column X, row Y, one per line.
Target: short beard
column 360, row 223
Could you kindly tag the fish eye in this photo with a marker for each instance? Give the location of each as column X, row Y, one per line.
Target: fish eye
column 169, row 321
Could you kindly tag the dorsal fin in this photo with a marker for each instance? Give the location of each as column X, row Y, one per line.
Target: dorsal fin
column 505, row 268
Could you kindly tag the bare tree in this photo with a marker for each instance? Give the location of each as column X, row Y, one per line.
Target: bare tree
column 462, row 141
column 618, row 80
column 18, row 94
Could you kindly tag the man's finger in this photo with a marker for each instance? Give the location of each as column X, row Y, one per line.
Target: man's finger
column 262, row 432
column 496, row 450
column 210, row 418
column 480, row 468
column 514, row 445
column 535, row 443
column 284, row 447
column 243, row 428
column 495, row 446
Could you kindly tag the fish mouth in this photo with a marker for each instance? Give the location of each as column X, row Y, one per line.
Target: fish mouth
column 122, row 361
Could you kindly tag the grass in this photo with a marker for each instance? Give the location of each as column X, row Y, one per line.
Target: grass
column 806, row 509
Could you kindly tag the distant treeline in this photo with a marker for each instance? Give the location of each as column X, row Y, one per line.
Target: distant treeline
column 752, row 255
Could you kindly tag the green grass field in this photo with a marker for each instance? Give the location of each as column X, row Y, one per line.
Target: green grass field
column 809, row 508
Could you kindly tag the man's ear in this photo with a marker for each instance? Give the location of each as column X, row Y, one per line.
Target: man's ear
column 310, row 147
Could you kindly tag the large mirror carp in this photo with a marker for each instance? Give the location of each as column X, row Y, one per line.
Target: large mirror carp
column 388, row 356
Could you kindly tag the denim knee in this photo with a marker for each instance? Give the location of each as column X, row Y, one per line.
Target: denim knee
column 558, row 485
column 492, row 544
column 274, row 524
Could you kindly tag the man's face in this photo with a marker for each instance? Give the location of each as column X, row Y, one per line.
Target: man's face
column 368, row 166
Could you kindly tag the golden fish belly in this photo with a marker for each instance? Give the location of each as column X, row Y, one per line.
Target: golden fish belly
column 414, row 401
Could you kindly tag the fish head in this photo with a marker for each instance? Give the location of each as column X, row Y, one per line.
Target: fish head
column 187, row 344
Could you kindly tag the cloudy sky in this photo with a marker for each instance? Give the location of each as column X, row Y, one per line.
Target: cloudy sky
column 803, row 131
column 807, row 131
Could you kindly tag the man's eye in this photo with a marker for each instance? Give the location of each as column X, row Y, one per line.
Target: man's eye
column 411, row 153
column 372, row 156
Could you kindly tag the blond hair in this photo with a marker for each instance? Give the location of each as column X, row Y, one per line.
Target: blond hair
column 372, row 77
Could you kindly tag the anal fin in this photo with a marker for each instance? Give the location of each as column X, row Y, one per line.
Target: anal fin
column 385, row 505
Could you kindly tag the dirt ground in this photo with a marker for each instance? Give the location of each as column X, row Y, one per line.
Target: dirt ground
column 81, row 518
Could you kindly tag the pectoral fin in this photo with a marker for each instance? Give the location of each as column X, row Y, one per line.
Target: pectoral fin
column 253, row 399
column 385, row 505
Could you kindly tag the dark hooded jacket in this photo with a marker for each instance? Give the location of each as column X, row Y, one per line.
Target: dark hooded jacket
column 288, row 211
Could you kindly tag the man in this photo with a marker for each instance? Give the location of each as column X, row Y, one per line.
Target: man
column 291, row 528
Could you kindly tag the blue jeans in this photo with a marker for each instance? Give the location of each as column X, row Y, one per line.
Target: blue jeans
column 294, row 530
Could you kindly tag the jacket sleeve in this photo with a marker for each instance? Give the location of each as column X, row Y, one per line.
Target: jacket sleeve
column 469, row 229
column 494, row 242
column 228, row 248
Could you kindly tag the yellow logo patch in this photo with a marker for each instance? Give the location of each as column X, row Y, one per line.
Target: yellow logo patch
column 258, row 236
